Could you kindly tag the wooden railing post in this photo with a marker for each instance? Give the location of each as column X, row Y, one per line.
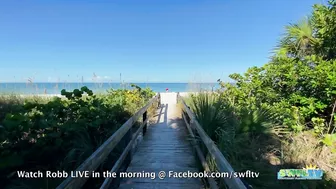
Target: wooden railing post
column 124, row 133
column 189, row 118
column 221, row 163
column 159, row 100
column 177, row 97
column 192, row 126
column 128, row 138
column 144, row 121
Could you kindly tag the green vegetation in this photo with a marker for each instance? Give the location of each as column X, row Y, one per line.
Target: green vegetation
column 60, row 133
column 281, row 115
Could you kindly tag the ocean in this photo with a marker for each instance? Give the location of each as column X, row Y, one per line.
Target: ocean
column 55, row 88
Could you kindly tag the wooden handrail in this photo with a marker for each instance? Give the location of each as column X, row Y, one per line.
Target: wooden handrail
column 123, row 156
column 205, row 165
column 222, row 164
column 92, row 162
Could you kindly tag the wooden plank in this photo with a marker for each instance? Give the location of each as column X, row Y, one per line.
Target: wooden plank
column 167, row 180
column 211, row 181
column 163, row 151
column 91, row 163
column 167, row 155
column 222, row 164
column 177, row 161
column 149, row 159
column 153, row 146
column 165, row 147
column 163, row 166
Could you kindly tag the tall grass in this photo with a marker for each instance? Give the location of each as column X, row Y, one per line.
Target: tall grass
column 13, row 102
column 207, row 110
column 251, row 139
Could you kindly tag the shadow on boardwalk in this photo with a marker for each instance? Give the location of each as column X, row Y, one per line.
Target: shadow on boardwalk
column 164, row 148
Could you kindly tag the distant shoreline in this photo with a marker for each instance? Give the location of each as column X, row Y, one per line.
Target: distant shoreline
column 127, row 83
column 55, row 88
column 59, row 95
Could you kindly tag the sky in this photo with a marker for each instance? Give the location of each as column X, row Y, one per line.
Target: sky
column 144, row 40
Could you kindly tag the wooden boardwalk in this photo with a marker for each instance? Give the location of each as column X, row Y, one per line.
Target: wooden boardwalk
column 165, row 147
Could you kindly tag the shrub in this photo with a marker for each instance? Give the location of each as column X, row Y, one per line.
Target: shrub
column 61, row 133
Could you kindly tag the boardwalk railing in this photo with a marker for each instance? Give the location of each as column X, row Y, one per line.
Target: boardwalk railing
column 98, row 157
column 195, row 129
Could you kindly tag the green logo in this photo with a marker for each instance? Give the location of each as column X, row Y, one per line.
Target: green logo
column 308, row 173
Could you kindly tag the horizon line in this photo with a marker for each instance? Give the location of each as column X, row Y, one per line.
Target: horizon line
column 99, row 82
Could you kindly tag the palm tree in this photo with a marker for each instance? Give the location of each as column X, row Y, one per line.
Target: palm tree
column 298, row 40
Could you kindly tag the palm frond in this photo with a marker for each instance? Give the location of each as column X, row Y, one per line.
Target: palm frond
column 298, row 39
column 206, row 107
